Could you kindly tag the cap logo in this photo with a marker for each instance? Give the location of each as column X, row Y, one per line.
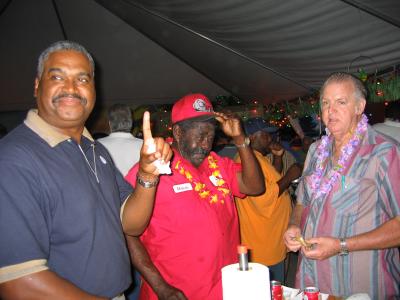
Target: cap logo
column 201, row 105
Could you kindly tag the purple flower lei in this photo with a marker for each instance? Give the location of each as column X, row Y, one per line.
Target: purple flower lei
column 321, row 186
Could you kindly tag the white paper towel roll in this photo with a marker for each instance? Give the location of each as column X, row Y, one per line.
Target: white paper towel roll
column 246, row 285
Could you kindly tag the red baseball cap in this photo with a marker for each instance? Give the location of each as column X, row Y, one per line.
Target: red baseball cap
column 192, row 106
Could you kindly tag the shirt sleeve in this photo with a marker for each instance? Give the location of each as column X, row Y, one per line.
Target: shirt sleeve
column 25, row 220
column 130, row 179
column 125, row 189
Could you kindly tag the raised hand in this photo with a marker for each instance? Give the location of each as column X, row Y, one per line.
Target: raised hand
column 152, row 149
column 230, row 124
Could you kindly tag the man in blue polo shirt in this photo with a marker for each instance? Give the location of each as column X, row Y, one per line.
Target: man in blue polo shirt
column 64, row 207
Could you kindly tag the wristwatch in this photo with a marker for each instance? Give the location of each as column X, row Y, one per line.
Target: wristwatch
column 343, row 247
column 245, row 144
column 146, row 184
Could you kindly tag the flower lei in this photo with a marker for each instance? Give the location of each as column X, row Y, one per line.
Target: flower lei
column 200, row 187
column 321, row 186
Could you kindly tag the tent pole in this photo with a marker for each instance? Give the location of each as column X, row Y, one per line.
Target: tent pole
column 5, row 6
column 59, row 20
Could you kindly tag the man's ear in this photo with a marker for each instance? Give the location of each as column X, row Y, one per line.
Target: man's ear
column 252, row 137
column 177, row 132
column 35, row 88
column 360, row 106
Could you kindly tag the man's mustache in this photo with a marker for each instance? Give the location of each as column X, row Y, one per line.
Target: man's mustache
column 82, row 99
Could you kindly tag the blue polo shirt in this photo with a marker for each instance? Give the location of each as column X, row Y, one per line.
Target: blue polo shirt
column 58, row 213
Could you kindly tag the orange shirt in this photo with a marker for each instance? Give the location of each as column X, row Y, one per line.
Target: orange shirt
column 264, row 219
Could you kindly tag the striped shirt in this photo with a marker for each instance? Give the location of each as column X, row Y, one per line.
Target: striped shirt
column 365, row 197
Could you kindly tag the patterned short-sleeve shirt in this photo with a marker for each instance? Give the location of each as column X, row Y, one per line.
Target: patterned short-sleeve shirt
column 366, row 196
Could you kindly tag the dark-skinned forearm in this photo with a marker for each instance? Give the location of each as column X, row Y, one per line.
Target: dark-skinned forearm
column 41, row 286
column 142, row 262
column 291, row 174
column 284, row 184
column 251, row 181
column 295, row 218
column 277, row 162
column 138, row 209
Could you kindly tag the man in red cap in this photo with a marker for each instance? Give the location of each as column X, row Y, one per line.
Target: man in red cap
column 194, row 229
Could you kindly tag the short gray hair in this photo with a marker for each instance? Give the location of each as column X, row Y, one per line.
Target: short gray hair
column 120, row 117
column 360, row 92
column 62, row 46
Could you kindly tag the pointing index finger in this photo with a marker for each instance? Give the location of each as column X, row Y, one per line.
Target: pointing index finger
column 147, row 136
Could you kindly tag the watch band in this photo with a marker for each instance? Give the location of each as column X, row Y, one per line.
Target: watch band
column 344, row 250
column 146, row 184
column 245, row 144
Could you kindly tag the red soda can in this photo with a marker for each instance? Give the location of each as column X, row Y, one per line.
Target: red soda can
column 276, row 290
column 311, row 293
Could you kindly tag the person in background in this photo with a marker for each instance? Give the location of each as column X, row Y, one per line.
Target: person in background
column 348, row 211
column 62, row 200
column 391, row 125
column 223, row 145
column 290, row 141
column 287, row 157
column 123, row 147
column 305, row 145
column 194, row 230
column 263, row 219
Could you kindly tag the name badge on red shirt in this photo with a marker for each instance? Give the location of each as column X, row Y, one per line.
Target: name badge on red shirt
column 214, row 180
column 178, row 188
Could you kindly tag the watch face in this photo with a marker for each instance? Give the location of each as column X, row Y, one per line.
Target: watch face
column 245, row 144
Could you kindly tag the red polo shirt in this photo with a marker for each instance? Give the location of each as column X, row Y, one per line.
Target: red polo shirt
column 191, row 234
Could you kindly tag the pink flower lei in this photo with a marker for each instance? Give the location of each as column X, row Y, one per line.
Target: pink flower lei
column 321, row 186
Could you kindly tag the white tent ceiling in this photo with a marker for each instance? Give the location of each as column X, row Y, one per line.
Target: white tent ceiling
column 153, row 52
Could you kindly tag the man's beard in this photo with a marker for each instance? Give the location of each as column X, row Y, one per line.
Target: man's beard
column 190, row 153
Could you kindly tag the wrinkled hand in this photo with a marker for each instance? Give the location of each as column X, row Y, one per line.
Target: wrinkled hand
column 168, row 292
column 230, row 124
column 323, row 248
column 289, row 237
column 162, row 149
column 276, row 149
